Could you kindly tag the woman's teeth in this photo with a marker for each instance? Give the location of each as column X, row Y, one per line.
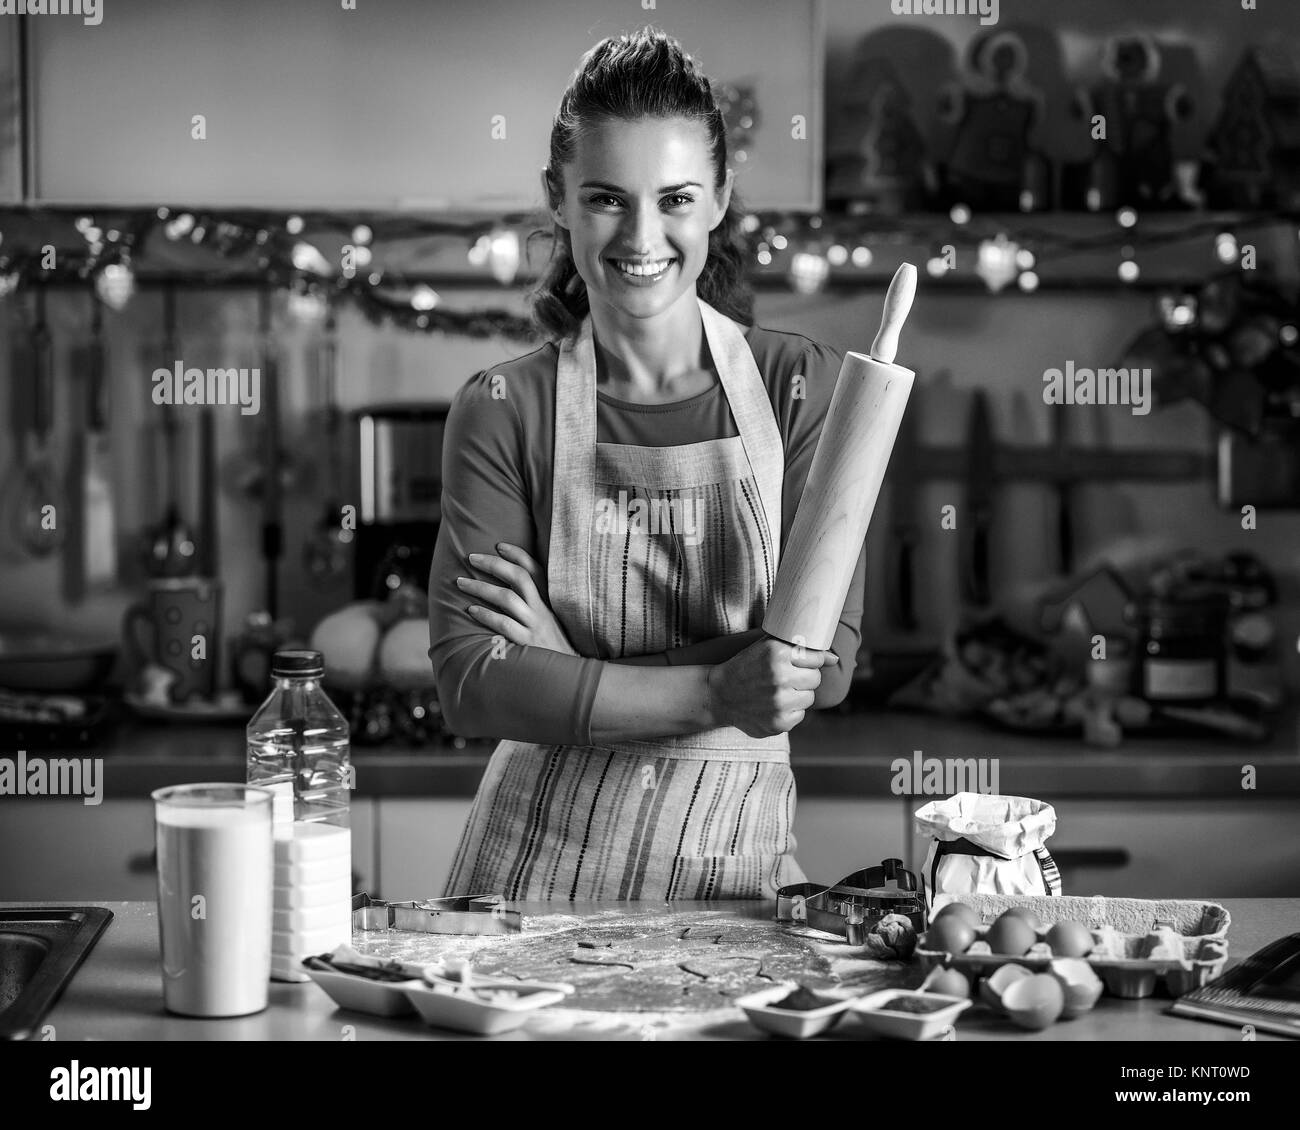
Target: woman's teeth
column 652, row 269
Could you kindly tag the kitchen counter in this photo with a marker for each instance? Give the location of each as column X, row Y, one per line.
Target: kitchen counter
column 117, row 995
column 834, row 755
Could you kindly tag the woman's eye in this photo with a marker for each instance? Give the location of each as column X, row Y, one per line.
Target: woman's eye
column 675, row 196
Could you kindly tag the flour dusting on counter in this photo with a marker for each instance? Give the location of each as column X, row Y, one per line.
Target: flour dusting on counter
column 643, row 976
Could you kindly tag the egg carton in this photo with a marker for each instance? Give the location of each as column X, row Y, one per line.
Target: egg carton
column 1137, row 943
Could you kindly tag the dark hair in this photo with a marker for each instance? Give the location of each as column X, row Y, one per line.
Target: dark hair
column 627, row 78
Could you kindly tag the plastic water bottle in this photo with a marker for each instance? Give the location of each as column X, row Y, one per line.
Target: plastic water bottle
column 299, row 748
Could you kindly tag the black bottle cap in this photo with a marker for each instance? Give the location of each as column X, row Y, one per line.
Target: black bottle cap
column 297, row 664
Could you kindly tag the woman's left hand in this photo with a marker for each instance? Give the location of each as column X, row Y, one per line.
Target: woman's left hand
column 521, row 613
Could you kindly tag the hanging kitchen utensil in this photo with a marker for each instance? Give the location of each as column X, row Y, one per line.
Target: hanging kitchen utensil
column 169, row 548
column 272, row 485
column 209, row 532
column 327, row 551
column 74, row 546
column 974, row 529
column 21, row 373
column 90, row 558
column 905, row 524
column 1064, row 498
column 42, row 531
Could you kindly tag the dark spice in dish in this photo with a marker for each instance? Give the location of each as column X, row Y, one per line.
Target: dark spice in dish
column 802, row 1000
column 913, row 1004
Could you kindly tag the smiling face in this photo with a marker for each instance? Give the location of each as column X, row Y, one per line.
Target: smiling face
column 641, row 192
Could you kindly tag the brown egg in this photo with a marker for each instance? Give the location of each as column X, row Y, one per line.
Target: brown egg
column 950, row 935
column 963, row 912
column 1010, row 934
column 1025, row 913
column 1070, row 939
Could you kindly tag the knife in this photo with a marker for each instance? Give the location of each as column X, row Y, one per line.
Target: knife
column 99, row 514
column 980, row 471
column 906, row 529
column 1064, row 518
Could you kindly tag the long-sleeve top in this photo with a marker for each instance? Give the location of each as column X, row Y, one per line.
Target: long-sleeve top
column 498, row 443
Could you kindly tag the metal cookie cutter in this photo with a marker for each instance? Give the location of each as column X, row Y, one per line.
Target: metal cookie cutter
column 853, row 906
column 459, row 914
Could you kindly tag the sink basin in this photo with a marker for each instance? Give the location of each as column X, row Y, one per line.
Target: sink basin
column 40, row 950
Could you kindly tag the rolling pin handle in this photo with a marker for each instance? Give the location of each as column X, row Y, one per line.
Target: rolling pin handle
column 898, row 303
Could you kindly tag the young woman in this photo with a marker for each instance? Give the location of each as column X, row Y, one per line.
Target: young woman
column 614, row 507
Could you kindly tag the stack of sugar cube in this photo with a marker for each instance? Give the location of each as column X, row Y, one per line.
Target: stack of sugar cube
column 312, row 895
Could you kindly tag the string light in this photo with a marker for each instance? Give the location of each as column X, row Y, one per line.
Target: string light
column 180, row 226
column 115, row 284
column 424, row 297
column 306, row 257
column 503, row 255
column 808, row 271
column 298, row 265
column 1178, row 311
column 997, row 262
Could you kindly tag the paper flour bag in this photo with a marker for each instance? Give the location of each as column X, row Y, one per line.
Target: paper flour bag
column 985, row 844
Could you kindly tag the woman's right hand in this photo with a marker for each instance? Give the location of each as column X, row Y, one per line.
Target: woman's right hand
column 767, row 688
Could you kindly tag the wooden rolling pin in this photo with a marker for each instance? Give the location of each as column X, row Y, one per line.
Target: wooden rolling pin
column 843, row 483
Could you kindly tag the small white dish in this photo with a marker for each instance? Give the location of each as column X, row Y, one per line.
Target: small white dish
column 793, row 1023
column 444, row 1003
column 908, row 1025
column 360, row 994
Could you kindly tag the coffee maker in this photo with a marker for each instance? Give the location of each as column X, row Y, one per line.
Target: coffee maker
column 400, row 462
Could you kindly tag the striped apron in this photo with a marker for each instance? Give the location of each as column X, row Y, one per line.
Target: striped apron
column 651, row 548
